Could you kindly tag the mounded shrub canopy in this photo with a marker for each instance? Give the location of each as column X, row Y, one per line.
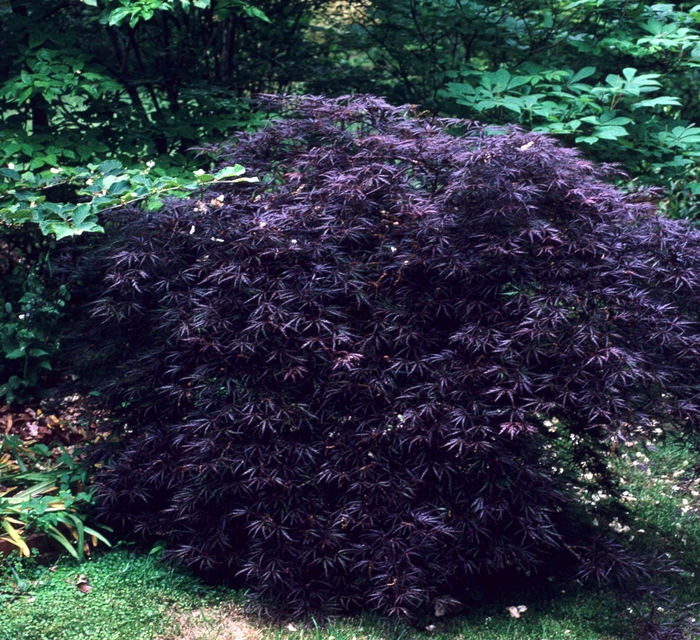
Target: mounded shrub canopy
column 396, row 362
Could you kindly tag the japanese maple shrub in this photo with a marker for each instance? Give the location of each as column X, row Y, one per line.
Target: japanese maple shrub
column 396, row 362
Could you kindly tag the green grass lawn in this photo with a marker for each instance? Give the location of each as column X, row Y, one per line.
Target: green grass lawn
column 132, row 596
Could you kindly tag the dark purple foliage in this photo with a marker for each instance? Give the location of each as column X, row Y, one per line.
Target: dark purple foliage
column 340, row 378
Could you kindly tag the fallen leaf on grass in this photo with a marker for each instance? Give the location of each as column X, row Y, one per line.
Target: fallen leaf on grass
column 83, row 585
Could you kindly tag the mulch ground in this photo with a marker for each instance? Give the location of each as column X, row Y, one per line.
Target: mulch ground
column 68, row 420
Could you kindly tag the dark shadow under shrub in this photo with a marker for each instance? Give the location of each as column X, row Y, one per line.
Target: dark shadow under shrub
column 395, row 364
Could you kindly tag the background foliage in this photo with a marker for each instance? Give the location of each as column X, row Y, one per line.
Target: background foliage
column 100, row 101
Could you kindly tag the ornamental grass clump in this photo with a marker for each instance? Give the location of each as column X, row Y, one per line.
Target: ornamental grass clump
column 399, row 362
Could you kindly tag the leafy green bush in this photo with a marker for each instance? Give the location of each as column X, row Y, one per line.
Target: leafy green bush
column 619, row 80
column 29, row 313
column 617, row 118
column 77, row 138
column 42, row 492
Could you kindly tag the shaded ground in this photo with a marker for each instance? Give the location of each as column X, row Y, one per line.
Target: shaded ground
column 68, row 420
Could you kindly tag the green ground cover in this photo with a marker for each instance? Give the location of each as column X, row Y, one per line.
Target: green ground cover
column 135, row 597
column 124, row 594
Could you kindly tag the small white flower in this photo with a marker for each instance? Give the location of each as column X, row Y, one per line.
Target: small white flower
column 291, row 627
column 10, row 165
column 199, row 172
column 151, row 163
column 89, row 182
column 192, row 230
column 294, row 241
column 55, row 170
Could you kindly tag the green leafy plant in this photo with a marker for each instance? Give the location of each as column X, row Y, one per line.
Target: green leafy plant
column 97, row 188
column 29, row 314
column 42, row 492
column 81, row 134
column 616, row 115
column 613, row 78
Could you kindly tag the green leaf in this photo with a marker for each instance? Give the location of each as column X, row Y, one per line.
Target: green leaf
column 513, row 104
column 15, row 354
column 110, row 166
column 9, row 173
column 80, row 213
column 586, row 72
column 587, row 139
column 118, row 188
column 60, row 230
column 230, row 172
column 116, row 16
column 654, row 27
column 501, row 78
column 609, row 118
column 254, row 12
column 485, row 104
column 98, row 535
column 154, row 203
column 656, row 102
column 611, row 132
column 37, row 38
column 54, row 533
column 518, row 81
